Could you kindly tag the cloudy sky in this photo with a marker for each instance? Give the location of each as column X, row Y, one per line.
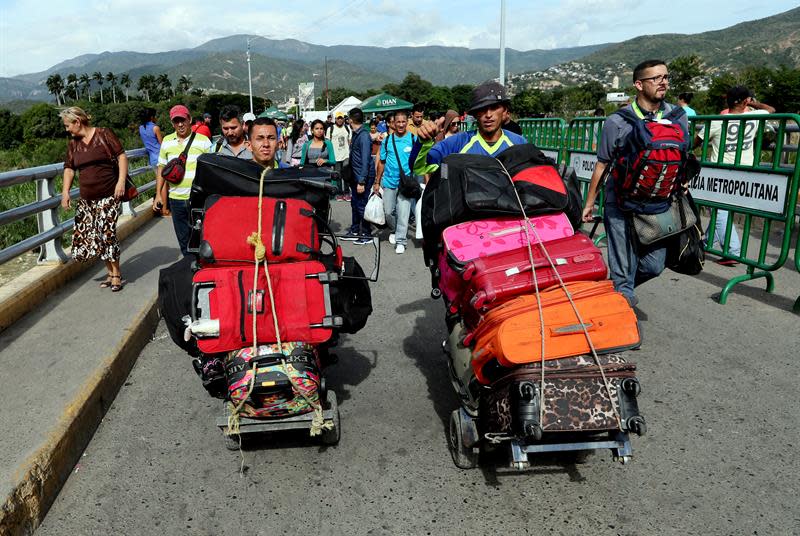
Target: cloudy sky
column 35, row 35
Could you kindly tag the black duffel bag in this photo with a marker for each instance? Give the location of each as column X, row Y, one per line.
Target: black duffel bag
column 175, row 301
column 227, row 175
column 350, row 297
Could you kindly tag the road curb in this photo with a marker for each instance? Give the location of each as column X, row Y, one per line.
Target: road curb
column 42, row 475
column 24, row 293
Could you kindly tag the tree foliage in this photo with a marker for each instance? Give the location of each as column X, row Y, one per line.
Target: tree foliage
column 683, row 71
column 41, row 121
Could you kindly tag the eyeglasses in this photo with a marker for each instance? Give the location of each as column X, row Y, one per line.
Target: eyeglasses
column 656, row 79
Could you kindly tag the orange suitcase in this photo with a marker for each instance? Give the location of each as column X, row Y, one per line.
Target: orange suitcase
column 510, row 335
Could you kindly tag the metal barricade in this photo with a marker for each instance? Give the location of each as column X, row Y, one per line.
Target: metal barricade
column 760, row 190
column 580, row 149
column 46, row 207
column 547, row 134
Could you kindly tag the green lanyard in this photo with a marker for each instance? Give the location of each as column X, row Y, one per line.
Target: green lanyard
column 639, row 112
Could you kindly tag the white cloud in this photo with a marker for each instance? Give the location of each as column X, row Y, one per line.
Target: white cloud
column 35, row 38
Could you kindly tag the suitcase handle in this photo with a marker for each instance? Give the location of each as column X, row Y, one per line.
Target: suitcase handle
column 572, row 329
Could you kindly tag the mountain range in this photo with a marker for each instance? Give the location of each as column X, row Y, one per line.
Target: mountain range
column 279, row 65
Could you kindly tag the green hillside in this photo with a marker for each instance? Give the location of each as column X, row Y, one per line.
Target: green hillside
column 769, row 42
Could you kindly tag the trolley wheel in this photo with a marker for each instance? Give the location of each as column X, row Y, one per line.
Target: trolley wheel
column 231, row 441
column 332, row 436
column 463, row 457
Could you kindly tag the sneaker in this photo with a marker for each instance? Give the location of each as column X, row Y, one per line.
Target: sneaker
column 362, row 240
column 727, row 262
column 400, row 249
column 350, row 237
column 392, row 239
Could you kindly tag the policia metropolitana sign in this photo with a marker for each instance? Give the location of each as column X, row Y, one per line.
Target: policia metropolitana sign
column 765, row 192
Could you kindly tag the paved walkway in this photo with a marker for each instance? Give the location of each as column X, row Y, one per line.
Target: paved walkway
column 62, row 365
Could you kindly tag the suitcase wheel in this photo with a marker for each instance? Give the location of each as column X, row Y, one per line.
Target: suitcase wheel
column 637, row 425
column 436, row 293
column 631, row 386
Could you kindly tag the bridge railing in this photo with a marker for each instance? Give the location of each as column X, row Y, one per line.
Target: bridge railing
column 547, row 134
column 755, row 182
column 46, row 209
column 580, row 148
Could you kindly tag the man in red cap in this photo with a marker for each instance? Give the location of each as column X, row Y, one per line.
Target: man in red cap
column 171, row 147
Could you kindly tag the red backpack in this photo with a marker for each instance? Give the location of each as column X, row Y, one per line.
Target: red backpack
column 650, row 165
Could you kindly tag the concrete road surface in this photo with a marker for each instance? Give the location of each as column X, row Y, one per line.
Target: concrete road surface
column 720, row 456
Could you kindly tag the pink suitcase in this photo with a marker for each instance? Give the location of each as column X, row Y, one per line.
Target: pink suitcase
column 473, row 239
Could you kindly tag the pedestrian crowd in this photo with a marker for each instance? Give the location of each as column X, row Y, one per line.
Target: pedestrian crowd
column 382, row 157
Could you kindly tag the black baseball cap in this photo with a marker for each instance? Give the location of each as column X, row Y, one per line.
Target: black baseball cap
column 487, row 94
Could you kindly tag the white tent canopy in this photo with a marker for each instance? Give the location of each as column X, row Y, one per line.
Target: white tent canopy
column 346, row 105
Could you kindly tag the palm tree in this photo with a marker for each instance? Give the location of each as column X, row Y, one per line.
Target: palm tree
column 165, row 84
column 55, row 85
column 111, row 78
column 145, row 85
column 86, row 81
column 97, row 76
column 185, row 83
column 125, row 80
column 72, row 85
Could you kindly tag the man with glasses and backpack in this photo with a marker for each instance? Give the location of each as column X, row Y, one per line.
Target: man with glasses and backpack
column 643, row 146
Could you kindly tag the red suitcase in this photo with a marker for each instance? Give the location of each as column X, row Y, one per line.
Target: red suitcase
column 289, row 230
column 226, row 295
column 493, row 280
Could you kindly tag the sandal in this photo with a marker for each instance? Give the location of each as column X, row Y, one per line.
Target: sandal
column 107, row 282
column 116, row 287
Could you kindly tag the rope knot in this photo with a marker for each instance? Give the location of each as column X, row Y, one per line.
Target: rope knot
column 255, row 240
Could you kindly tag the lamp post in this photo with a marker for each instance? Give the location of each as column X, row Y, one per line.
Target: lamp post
column 249, row 75
column 503, row 42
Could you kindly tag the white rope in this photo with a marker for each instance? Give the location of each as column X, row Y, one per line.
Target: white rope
column 569, row 297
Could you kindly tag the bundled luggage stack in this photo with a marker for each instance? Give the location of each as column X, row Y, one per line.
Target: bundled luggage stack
column 536, row 331
column 266, row 296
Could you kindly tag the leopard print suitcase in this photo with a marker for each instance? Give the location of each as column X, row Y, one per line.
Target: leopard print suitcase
column 575, row 398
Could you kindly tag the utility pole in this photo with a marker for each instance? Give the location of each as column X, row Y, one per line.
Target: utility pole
column 327, row 95
column 503, row 42
column 249, row 75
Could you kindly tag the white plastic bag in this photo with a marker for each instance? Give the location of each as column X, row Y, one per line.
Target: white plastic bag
column 418, row 215
column 373, row 212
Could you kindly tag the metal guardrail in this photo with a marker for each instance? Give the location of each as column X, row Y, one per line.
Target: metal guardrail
column 761, row 192
column 547, row 134
column 580, row 149
column 45, row 208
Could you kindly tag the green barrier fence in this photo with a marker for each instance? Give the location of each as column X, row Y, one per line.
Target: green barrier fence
column 796, row 307
column 580, row 148
column 547, row 134
column 761, row 191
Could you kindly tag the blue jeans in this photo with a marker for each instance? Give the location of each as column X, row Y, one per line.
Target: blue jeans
column 181, row 223
column 358, row 203
column 629, row 263
column 735, row 246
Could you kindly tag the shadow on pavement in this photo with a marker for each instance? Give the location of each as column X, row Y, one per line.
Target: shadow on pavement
column 424, row 346
column 352, row 368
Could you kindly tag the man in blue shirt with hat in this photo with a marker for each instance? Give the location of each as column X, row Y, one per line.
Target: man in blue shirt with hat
column 489, row 107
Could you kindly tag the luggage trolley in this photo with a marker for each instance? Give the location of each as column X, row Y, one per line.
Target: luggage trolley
column 466, row 438
column 330, row 406
column 248, row 426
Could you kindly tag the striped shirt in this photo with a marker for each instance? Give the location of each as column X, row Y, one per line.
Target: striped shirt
column 171, row 147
